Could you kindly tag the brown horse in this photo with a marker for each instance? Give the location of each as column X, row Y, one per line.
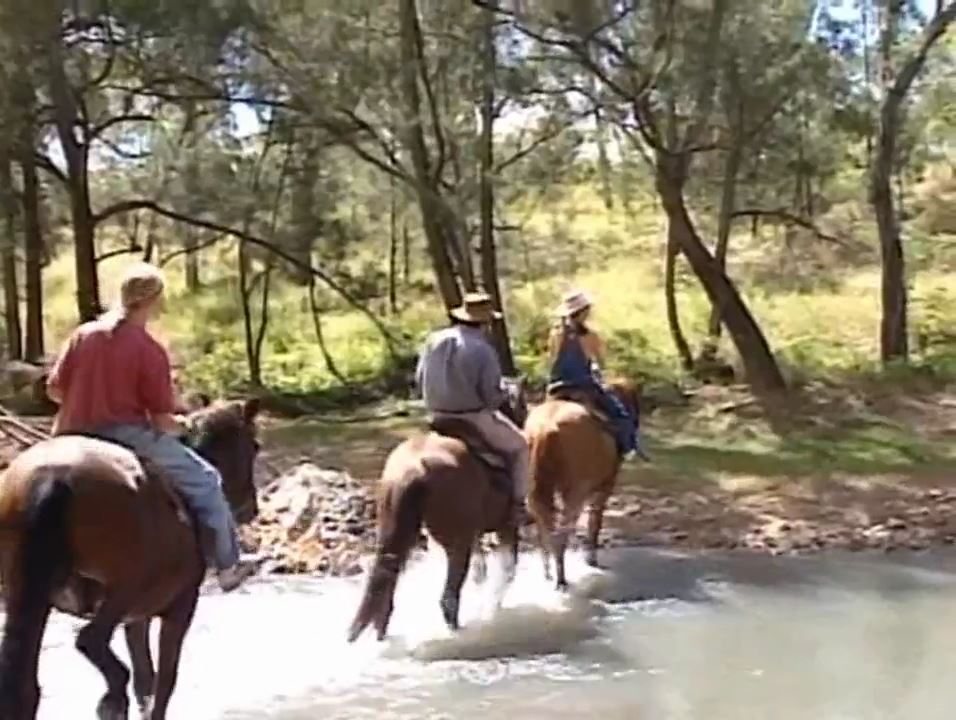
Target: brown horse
column 573, row 457
column 459, row 493
column 85, row 527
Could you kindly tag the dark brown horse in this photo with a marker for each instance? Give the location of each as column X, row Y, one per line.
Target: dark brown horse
column 87, row 528
column 438, row 481
column 574, row 458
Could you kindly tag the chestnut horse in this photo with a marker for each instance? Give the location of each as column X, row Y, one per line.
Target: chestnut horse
column 87, row 528
column 459, row 493
column 574, row 457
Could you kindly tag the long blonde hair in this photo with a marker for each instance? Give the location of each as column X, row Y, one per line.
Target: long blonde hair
column 141, row 284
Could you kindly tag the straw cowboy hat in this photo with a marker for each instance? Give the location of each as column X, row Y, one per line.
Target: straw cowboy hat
column 476, row 308
column 572, row 303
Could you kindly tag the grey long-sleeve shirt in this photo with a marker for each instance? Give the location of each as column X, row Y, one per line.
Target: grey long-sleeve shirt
column 458, row 372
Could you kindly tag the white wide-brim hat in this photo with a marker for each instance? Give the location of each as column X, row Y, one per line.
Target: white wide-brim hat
column 572, row 303
column 476, row 307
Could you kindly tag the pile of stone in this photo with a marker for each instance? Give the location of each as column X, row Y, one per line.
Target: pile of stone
column 313, row 521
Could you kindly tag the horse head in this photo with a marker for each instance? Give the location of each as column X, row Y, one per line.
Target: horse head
column 628, row 392
column 226, row 435
column 515, row 406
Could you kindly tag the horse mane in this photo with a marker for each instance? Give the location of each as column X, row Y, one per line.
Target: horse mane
column 217, row 420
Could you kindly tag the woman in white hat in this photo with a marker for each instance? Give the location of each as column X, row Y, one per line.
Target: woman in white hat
column 576, row 352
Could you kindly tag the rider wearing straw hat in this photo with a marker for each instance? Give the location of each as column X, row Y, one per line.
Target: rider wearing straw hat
column 576, row 353
column 459, row 375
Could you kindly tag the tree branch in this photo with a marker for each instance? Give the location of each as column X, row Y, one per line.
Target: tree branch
column 134, row 205
column 789, row 218
column 522, row 153
column 96, row 130
column 129, row 250
column 46, row 164
column 207, row 243
column 934, row 31
column 441, row 149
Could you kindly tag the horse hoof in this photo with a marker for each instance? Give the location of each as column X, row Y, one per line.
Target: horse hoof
column 562, row 585
column 111, row 708
column 592, row 561
column 145, row 707
column 449, row 611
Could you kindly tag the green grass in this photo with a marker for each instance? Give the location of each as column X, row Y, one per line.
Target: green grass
column 832, row 435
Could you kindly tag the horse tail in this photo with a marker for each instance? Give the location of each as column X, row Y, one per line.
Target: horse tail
column 41, row 562
column 542, row 472
column 402, row 514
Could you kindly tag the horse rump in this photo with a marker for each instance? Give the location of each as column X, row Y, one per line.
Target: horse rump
column 40, row 564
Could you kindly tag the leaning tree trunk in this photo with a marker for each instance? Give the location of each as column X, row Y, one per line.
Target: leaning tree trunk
column 728, row 201
column 489, row 253
column 761, row 368
column 33, row 255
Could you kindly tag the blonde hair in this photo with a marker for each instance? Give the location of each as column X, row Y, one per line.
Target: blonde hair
column 141, row 284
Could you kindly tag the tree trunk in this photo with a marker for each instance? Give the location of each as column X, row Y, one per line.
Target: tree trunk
column 67, row 119
column 320, row 335
column 761, row 368
column 392, row 248
column 489, row 253
column 33, row 245
column 190, row 243
column 894, row 344
column 728, row 203
column 406, row 254
column 304, row 221
column 245, row 292
column 432, row 212
column 670, row 297
column 603, row 162
column 8, row 261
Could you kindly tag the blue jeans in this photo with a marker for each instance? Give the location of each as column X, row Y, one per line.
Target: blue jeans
column 625, row 423
column 196, row 480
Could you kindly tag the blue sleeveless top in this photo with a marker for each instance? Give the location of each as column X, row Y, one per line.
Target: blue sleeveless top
column 572, row 366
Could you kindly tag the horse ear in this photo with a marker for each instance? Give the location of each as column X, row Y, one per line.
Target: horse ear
column 250, row 409
column 203, row 400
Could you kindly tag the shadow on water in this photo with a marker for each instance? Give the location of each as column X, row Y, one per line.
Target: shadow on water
column 638, row 575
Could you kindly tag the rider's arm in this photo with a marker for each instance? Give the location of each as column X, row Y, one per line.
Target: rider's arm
column 593, row 347
column 420, row 367
column 156, row 390
column 554, row 343
column 489, row 380
column 59, row 378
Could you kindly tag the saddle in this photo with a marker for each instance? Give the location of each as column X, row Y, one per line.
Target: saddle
column 585, row 399
column 465, row 433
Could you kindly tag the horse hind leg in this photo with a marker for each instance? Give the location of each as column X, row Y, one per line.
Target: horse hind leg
column 458, row 560
column 175, row 625
column 479, row 563
column 560, row 538
column 93, row 641
column 595, row 523
column 543, row 511
column 144, row 675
